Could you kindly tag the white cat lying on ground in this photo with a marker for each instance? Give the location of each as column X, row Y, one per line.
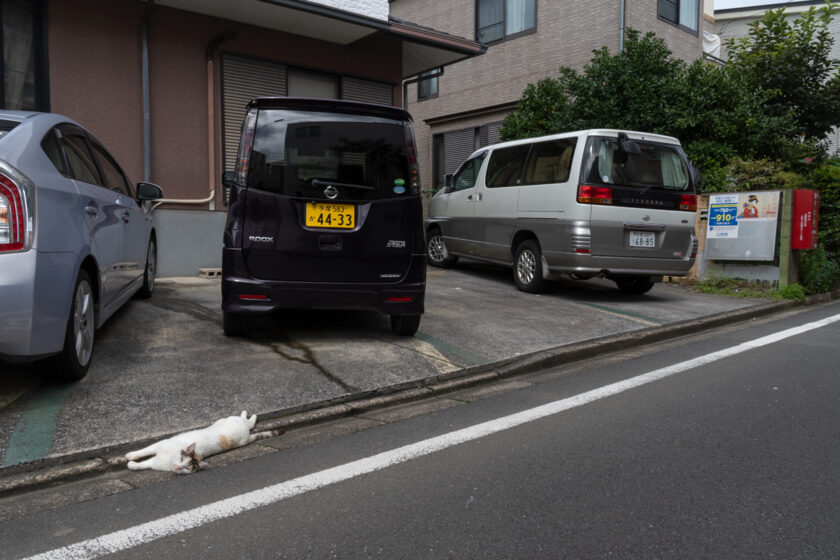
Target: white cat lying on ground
column 183, row 453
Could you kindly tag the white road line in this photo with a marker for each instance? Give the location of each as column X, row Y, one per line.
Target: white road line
column 190, row 519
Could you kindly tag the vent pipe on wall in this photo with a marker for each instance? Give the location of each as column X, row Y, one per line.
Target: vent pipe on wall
column 621, row 26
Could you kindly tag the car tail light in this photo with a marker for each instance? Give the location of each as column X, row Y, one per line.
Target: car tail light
column 398, row 299
column 588, row 194
column 247, row 141
column 688, row 202
column 252, row 296
column 413, row 170
column 17, row 216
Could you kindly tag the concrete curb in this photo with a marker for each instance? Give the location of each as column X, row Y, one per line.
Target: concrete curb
column 48, row 472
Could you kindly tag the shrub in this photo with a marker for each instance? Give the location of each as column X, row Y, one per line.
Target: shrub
column 817, row 272
column 826, row 179
column 792, row 291
column 762, row 175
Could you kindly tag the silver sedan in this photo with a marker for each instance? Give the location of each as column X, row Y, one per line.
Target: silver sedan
column 77, row 241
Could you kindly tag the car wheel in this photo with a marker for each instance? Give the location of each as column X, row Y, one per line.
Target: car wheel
column 527, row 267
column 73, row 361
column 634, row 285
column 234, row 324
column 405, row 325
column 436, row 253
column 149, row 274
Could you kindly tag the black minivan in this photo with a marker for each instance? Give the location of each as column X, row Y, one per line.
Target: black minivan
column 325, row 213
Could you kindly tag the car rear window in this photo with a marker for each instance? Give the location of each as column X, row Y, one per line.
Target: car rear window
column 298, row 153
column 644, row 165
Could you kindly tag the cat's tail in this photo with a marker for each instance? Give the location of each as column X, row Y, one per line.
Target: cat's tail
column 266, row 434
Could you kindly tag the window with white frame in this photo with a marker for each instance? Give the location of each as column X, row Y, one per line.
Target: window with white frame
column 683, row 13
column 498, row 19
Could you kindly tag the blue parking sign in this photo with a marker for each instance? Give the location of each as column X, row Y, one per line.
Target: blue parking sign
column 723, row 216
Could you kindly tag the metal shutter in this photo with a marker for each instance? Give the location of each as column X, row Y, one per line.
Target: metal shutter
column 242, row 80
column 369, row 92
column 458, row 144
column 490, row 133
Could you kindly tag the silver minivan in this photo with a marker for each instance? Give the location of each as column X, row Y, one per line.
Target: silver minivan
column 593, row 203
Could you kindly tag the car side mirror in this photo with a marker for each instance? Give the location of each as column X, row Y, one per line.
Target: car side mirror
column 148, row 191
column 448, row 181
column 227, row 178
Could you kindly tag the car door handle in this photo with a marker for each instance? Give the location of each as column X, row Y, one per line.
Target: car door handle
column 474, row 197
column 91, row 210
column 126, row 216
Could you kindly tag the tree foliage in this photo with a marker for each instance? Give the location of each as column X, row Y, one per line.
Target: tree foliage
column 710, row 108
column 791, row 59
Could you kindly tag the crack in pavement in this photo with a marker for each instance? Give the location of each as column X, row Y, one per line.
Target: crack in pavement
column 308, row 358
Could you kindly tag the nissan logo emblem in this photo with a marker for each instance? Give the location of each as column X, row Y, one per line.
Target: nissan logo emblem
column 331, row 192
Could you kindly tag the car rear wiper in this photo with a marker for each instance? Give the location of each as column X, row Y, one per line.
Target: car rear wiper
column 320, row 183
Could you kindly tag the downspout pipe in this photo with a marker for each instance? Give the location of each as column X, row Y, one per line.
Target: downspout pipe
column 147, row 126
column 621, row 8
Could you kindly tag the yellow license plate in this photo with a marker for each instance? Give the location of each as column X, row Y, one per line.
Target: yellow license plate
column 325, row 215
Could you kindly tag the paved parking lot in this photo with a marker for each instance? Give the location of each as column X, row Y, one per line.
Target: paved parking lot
column 163, row 365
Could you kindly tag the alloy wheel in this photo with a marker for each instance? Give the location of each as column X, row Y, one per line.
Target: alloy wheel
column 83, row 322
column 526, row 267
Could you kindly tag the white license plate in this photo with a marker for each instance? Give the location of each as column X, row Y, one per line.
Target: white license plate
column 645, row 239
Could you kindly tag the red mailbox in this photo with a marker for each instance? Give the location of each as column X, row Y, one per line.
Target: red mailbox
column 806, row 207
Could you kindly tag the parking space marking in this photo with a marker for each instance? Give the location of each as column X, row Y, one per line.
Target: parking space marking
column 32, row 437
column 445, row 347
column 183, row 521
column 643, row 319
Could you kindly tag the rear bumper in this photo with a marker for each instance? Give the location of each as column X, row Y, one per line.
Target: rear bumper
column 242, row 293
column 593, row 265
column 35, row 291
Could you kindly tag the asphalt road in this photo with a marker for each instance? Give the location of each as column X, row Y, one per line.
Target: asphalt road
column 721, row 445
column 163, row 365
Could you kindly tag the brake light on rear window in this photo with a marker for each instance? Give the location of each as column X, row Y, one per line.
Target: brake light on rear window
column 16, row 213
column 588, row 194
column 688, row 202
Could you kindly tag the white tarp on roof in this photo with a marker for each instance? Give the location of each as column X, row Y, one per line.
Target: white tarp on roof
column 711, row 44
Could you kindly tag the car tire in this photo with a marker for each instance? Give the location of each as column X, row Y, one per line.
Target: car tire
column 405, row 325
column 436, row 253
column 72, row 363
column 148, row 286
column 234, row 324
column 634, row 285
column 527, row 267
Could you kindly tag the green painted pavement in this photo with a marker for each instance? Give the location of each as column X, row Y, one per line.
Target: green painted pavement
column 32, row 437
